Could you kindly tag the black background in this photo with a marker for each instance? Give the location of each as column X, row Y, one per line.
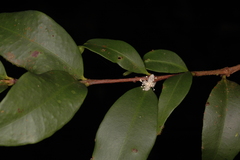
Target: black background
column 204, row 35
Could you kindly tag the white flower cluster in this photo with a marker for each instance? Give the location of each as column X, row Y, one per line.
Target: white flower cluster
column 149, row 83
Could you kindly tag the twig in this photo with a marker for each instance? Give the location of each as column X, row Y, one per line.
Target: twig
column 89, row 82
column 224, row 71
column 227, row 71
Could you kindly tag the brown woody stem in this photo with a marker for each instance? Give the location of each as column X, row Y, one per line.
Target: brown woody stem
column 227, row 71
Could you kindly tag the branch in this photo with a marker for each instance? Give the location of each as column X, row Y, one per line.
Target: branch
column 227, row 71
column 89, row 82
column 224, row 71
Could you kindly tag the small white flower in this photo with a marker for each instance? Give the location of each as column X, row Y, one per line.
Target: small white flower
column 149, row 83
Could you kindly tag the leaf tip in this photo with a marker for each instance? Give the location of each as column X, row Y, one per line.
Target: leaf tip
column 127, row 73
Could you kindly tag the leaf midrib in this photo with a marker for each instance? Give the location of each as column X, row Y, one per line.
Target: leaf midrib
column 130, row 128
column 222, row 128
column 40, row 46
column 169, row 63
column 127, row 57
column 47, row 99
column 170, row 98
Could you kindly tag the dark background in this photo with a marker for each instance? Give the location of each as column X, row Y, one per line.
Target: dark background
column 204, row 35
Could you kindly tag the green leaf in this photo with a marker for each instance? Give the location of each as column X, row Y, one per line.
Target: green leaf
column 118, row 52
column 81, row 49
column 174, row 91
column 3, row 74
column 32, row 40
column 39, row 105
column 128, row 130
column 164, row 61
column 3, row 77
column 221, row 123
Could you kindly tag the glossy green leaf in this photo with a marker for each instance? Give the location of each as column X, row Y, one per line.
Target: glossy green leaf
column 221, row 123
column 118, row 52
column 39, row 105
column 3, row 77
column 32, row 40
column 128, row 130
column 174, row 91
column 164, row 61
